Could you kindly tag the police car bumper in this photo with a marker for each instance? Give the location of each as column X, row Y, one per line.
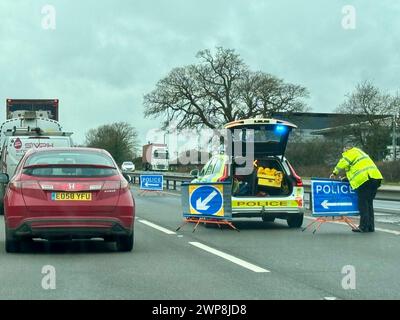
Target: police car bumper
column 259, row 212
column 274, row 208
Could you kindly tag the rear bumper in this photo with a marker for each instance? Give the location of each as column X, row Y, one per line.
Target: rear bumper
column 71, row 228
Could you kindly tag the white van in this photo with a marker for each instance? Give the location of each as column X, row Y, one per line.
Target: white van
column 14, row 148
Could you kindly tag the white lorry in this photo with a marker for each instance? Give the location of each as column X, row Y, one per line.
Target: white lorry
column 36, row 127
column 155, row 157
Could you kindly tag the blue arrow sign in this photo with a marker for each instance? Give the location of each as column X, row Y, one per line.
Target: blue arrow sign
column 206, row 200
column 333, row 198
column 152, row 182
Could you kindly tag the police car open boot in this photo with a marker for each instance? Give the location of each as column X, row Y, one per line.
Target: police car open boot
column 270, row 177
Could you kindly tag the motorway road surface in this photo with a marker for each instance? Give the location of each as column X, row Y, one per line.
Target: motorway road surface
column 263, row 261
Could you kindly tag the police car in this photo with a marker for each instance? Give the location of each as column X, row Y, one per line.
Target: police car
column 264, row 184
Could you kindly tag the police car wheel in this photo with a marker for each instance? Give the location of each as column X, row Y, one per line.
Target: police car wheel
column 295, row 221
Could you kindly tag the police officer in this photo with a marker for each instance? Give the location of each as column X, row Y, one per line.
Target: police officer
column 365, row 178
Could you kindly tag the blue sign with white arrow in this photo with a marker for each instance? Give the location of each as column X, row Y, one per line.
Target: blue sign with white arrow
column 152, row 182
column 207, row 200
column 333, row 198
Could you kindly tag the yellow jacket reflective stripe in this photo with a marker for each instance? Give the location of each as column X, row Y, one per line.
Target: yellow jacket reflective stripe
column 358, row 166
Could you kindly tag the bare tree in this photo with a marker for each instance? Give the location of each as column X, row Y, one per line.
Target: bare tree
column 217, row 90
column 372, row 111
column 120, row 139
column 264, row 94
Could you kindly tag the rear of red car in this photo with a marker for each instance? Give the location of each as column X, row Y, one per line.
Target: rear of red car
column 75, row 193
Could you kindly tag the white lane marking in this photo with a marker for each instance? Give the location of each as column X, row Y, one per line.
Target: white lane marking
column 229, row 257
column 330, row 298
column 397, row 233
column 150, row 224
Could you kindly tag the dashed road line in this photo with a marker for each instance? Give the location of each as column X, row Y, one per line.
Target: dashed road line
column 397, row 233
column 229, row 257
column 157, row 227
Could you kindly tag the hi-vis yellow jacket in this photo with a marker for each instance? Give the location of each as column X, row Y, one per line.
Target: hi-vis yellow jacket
column 358, row 166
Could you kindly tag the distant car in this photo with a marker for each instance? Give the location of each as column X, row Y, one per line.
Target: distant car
column 128, row 166
column 65, row 194
column 272, row 189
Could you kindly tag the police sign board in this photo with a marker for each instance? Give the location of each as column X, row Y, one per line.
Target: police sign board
column 210, row 200
column 333, row 198
column 152, row 182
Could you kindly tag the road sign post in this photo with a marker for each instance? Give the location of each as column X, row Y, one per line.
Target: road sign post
column 334, row 199
column 208, row 203
column 151, row 183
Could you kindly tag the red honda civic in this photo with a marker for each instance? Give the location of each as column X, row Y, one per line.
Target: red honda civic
column 65, row 194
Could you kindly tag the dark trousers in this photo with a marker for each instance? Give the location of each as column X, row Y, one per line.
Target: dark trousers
column 366, row 195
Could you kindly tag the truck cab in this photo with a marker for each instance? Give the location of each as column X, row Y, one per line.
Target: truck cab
column 155, row 157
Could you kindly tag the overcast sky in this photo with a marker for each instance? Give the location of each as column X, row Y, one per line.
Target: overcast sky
column 105, row 55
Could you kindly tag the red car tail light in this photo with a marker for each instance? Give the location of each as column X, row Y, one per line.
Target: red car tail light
column 15, row 185
column 124, row 184
column 112, row 189
column 225, row 175
column 18, row 185
column 111, row 185
column 115, row 185
column 299, row 182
